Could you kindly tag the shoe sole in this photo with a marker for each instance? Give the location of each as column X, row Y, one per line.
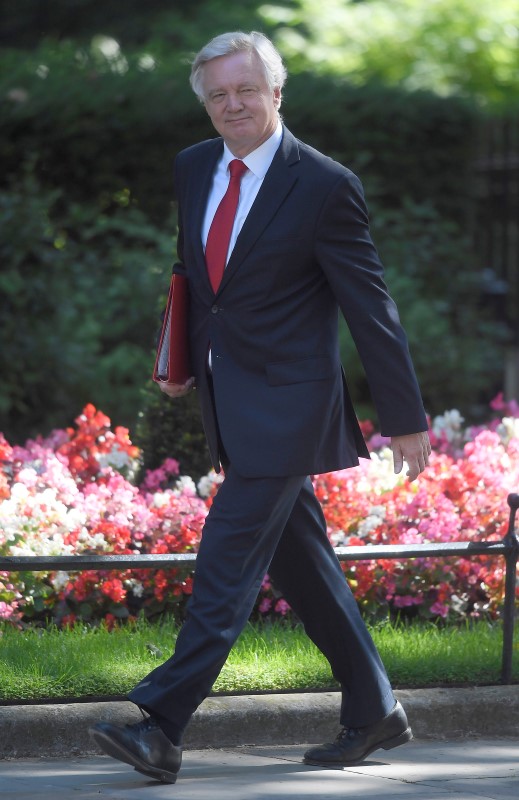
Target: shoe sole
column 388, row 744
column 120, row 753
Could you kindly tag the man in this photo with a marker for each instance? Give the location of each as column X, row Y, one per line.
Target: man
column 275, row 407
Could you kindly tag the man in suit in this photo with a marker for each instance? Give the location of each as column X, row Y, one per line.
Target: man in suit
column 275, row 406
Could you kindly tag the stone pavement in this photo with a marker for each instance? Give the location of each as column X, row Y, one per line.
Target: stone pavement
column 250, row 748
column 433, row 770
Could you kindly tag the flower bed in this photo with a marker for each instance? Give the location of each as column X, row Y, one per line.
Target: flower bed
column 76, row 492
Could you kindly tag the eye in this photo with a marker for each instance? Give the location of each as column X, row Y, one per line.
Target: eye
column 217, row 97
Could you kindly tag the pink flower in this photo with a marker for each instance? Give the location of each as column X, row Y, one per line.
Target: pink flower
column 154, row 479
column 377, row 441
column 8, row 611
column 403, row 601
column 506, row 409
column 171, row 466
column 439, row 609
column 265, row 605
column 72, row 492
column 282, row 607
column 498, row 403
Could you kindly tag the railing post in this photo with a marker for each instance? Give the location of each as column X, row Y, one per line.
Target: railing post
column 511, row 556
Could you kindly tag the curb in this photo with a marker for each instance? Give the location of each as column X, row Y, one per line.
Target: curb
column 61, row 731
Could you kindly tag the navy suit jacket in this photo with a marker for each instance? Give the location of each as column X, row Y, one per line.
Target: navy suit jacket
column 304, row 252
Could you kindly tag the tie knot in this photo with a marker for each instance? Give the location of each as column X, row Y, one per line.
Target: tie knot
column 237, row 168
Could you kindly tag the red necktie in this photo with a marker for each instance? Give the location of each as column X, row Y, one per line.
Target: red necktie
column 219, row 236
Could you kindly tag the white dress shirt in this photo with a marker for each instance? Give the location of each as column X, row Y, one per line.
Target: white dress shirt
column 258, row 163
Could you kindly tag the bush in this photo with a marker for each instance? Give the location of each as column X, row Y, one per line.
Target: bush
column 448, row 47
column 405, row 146
column 172, row 427
column 79, row 307
column 455, row 341
column 100, row 125
column 74, row 492
column 93, row 131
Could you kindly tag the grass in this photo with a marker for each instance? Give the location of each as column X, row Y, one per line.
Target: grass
column 45, row 664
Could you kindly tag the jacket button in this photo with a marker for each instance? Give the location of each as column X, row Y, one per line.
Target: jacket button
column 215, row 309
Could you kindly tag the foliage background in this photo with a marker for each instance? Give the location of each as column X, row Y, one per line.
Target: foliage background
column 94, row 104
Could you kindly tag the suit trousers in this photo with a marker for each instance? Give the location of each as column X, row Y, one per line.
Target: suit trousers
column 255, row 526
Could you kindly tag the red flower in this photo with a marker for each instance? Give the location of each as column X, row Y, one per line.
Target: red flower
column 114, row 589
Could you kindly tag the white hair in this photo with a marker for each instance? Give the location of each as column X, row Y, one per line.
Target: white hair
column 236, row 42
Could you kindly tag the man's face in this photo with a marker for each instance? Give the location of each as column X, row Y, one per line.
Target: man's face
column 237, row 98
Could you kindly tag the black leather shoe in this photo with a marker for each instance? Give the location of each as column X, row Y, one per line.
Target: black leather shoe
column 352, row 745
column 143, row 745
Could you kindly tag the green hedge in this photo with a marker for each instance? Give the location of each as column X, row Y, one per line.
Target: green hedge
column 94, row 132
column 404, row 145
column 86, row 150
column 79, row 307
column 170, row 428
column 432, row 273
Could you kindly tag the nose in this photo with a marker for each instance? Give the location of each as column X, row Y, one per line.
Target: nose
column 234, row 101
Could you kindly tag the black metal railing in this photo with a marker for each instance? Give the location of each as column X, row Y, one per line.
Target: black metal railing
column 507, row 547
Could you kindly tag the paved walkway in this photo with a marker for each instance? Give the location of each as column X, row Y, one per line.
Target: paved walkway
column 432, row 770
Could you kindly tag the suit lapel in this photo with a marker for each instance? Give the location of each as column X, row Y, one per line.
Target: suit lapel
column 278, row 182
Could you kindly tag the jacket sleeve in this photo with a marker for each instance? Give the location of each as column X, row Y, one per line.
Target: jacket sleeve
column 349, row 259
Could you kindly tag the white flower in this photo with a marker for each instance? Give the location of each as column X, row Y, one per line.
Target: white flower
column 375, row 517
column 206, row 484
column 448, row 424
column 382, row 469
column 28, row 476
column 160, row 499
column 185, row 485
column 60, row 580
column 42, row 521
column 338, row 538
column 136, row 587
column 19, row 492
column 508, row 429
column 119, row 460
column 74, row 519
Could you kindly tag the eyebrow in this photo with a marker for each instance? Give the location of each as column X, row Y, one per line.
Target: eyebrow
column 246, row 85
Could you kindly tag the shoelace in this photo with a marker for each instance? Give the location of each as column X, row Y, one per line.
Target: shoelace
column 347, row 733
column 145, row 724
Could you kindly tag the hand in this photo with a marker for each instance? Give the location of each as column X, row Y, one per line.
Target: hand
column 177, row 389
column 414, row 449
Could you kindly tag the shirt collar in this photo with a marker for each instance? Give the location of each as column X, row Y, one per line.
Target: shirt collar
column 261, row 158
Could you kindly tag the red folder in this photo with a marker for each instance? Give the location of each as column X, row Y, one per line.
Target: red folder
column 172, row 361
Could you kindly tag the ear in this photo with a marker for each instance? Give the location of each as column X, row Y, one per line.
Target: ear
column 277, row 97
